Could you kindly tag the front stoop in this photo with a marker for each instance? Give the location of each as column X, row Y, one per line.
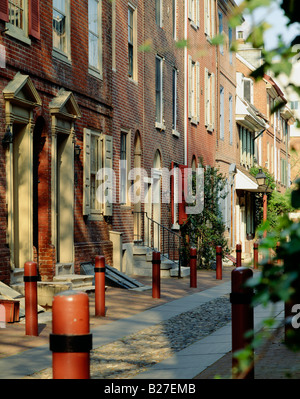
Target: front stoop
column 142, row 258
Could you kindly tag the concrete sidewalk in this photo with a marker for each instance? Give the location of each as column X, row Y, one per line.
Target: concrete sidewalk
column 185, row 364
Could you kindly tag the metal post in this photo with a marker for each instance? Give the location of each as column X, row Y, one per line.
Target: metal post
column 31, row 303
column 99, row 285
column 242, row 319
column 238, row 255
column 193, row 267
column 255, row 255
column 70, row 341
column 156, row 275
column 219, row 262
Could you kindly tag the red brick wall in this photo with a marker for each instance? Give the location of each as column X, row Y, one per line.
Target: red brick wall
column 94, row 98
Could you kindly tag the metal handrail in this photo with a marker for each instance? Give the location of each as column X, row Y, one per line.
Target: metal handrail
column 166, row 241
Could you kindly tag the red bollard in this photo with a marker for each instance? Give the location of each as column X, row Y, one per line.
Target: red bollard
column 193, row 267
column 31, row 303
column 70, row 341
column 219, row 262
column 156, row 275
column 100, row 285
column 242, row 319
column 255, row 254
column 238, row 255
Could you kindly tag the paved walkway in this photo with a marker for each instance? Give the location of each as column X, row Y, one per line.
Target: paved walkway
column 130, row 312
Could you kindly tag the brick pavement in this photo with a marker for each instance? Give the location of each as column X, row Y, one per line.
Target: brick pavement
column 277, row 362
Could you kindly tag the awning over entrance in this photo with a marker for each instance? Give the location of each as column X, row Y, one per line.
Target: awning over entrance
column 244, row 182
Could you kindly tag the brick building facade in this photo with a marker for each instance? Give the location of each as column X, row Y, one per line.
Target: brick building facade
column 55, row 87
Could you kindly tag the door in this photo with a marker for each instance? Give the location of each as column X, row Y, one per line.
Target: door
column 64, row 202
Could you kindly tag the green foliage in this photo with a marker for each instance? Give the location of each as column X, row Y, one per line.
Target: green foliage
column 206, row 229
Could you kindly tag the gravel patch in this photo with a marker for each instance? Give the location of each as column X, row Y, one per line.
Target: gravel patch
column 137, row 352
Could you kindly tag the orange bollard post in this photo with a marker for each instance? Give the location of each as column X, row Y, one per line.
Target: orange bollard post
column 242, row 319
column 100, row 285
column 156, row 275
column 70, row 341
column 255, row 255
column 31, row 303
column 193, row 267
column 238, row 255
column 219, row 262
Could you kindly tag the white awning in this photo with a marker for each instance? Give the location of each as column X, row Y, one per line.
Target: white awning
column 243, row 182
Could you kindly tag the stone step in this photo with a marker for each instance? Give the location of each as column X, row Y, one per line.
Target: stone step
column 184, row 271
column 77, row 280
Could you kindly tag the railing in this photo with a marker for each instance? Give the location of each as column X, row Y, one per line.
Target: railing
column 150, row 233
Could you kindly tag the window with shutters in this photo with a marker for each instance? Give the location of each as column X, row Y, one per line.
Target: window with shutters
column 22, row 19
column 209, row 18
column 159, row 93
column 246, row 138
column 209, row 100
column 194, row 91
column 231, row 116
column 158, row 12
column 222, row 126
column 248, row 90
column 61, row 29
column 221, row 30
column 124, row 168
column 98, row 174
column 132, row 42
column 194, row 13
column 95, row 41
column 174, row 102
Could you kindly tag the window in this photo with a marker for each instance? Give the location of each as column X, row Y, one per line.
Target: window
column 96, row 164
column 209, row 100
column 158, row 12
column 174, row 100
column 174, row 18
column 246, row 138
column 248, row 90
column 209, row 17
column 97, row 172
column 22, row 19
column 61, row 27
column 222, row 127
column 95, row 35
column 159, row 91
column 130, row 42
column 221, row 30
column 230, row 43
column 194, row 13
column 194, row 91
column 294, row 104
column 123, row 169
column 230, row 119
column 17, row 13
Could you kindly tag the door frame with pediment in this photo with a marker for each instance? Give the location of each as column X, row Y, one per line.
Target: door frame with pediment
column 64, row 112
column 21, row 98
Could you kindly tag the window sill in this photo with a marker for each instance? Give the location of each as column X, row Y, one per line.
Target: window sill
column 194, row 121
column 95, row 73
column 160, row 126
column 125, row 207
column 210, row 128
column 194, row 25
column 18, row 34
column 132, row 80
column 175, row 133
column 61, row 56
column 175, row 226
column 95, row 217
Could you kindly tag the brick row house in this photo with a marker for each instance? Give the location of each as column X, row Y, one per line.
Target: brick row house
column 103, row 108
column 263, row 139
